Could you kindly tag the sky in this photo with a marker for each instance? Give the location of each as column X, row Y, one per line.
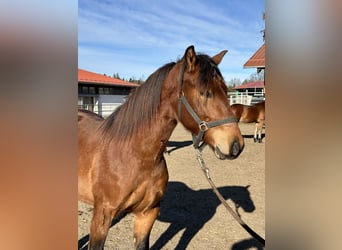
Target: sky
column 134, row 37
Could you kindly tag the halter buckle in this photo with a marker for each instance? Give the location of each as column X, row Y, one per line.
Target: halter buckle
column 203, row 126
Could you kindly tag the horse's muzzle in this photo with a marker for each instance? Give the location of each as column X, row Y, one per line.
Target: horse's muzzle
column 234, row 151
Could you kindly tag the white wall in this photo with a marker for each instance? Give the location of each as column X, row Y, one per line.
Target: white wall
column 106, row 104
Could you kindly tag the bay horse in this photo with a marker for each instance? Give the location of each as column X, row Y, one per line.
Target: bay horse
column 251, row 113
column 121, row 165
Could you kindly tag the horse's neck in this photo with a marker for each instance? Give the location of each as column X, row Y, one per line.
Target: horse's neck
column 151, row 138
column 140, row 136
column 161, row 127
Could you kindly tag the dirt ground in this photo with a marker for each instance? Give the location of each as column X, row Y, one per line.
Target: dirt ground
column 191, row 215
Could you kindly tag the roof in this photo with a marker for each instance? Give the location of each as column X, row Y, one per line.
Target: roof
column 251, row 85
column 85, row 76
column 257, row 60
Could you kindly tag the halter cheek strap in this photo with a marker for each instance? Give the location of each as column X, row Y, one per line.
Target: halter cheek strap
column 203, row 125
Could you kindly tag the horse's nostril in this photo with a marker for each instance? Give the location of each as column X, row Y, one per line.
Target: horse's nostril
column 235, row 148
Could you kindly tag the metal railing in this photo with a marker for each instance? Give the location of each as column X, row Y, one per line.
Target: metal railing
column 246, row 98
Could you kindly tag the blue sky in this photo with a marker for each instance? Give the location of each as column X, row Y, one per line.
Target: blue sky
column 134, row 38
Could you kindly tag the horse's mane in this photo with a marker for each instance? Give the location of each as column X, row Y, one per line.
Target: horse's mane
column 138, row 110
column 143, row 103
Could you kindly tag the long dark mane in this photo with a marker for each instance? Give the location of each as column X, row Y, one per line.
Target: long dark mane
column 142, row 105
column 139, row 109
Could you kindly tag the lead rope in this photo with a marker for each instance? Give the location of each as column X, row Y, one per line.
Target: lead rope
column 223, row 201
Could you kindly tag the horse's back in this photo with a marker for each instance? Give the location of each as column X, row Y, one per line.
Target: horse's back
column 238, row 110
column 249, row 113
column 86, row 114
column 88, row 123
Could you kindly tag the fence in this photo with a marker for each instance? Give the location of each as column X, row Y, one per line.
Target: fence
column 103, row 110
column 246, row 98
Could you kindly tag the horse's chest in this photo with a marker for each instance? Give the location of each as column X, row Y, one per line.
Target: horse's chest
column 147, row 192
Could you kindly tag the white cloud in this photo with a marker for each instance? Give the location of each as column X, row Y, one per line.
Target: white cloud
column 152, row 33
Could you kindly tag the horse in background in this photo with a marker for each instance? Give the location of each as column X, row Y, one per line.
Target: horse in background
column 121, row 164
column 251, row 113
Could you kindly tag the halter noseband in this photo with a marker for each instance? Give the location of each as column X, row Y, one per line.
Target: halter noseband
column 203, row 125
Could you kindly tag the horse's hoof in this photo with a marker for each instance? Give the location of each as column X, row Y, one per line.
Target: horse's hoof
column 255, row 140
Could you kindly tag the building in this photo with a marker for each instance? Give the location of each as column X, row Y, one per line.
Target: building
column 257, row 60
column 252, row 92
column 249, row 93
column 101, row 94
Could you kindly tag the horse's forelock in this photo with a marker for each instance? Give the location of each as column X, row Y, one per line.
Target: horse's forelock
column 208, row 70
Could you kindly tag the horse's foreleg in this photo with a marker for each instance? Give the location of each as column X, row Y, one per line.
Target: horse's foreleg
column 99, row 227
column 142, row 227
column 261, row 124
column 255, row 132
column 259, row 133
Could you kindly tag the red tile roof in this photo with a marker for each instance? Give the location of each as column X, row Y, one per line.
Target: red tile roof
column 251, row 85
column 85, row 76
column 257, row 60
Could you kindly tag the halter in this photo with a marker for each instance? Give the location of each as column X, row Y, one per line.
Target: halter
column 203, row 125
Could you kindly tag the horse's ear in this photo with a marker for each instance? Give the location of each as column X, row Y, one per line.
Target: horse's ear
column 190, row 58
column 247, row 186
column 218, row 58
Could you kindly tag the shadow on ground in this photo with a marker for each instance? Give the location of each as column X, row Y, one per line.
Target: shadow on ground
column 189, row 210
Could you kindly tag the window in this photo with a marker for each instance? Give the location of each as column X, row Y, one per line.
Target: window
column 91, row 90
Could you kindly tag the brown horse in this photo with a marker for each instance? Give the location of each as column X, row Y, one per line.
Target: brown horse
column 121, row 166
column 254, row 113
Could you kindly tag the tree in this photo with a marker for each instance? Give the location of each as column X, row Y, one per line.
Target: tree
column 264, row 30
column 234, row 82
column 116, row 75
column 138, row 81
column 256, row 77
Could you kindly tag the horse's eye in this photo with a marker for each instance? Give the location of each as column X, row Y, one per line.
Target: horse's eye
column 207, row 94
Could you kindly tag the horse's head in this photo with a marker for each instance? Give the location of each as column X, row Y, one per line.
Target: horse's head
column 240, row 196
column 203, row 106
